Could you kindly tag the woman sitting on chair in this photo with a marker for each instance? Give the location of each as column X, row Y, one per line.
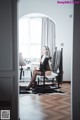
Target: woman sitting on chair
column 44, row 66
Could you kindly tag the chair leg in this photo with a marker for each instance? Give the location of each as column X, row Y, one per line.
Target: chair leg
column 58, row 84
column 38, row 81
column 44, row 81
column 31, row 74
column 44, row 84
column 21, row 73
column 52, row 81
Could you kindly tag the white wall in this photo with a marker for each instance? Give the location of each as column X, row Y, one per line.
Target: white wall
column 60, row 13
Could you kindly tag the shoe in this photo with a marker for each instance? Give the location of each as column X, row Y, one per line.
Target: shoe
column 34, row 84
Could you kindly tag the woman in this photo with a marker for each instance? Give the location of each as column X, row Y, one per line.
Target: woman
column 44, row 66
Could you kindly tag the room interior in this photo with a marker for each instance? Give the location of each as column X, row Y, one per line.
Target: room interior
column 9, row 57
column 63, row 37
column 62, row 15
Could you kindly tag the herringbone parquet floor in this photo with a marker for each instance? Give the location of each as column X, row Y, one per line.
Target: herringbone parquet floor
column 46, row 106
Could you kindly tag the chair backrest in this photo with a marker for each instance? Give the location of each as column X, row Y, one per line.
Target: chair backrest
column 57, row 63
column 57, row 60
column 22, row 62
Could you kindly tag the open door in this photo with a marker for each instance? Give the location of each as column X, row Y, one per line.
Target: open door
column 8, row 60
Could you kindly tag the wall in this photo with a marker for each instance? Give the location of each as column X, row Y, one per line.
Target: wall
column 62, row 14
column 8, row 58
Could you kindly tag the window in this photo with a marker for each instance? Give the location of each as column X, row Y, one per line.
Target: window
column 30, row 37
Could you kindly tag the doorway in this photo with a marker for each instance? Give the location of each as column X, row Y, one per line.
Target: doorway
column 62, row 43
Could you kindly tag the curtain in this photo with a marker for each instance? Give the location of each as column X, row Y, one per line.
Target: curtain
column 48, row 34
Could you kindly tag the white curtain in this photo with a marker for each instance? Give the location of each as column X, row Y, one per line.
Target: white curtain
column 48, row 34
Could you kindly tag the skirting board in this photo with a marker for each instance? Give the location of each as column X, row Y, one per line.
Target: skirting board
column 67, row 81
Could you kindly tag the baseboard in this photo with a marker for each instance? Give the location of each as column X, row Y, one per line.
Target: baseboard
column 67, row 81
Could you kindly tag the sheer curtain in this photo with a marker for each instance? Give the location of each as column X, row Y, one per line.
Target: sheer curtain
column 30, row 37
column 48, row 34
column 35, row 38
column 34, row 33
column 24, row 37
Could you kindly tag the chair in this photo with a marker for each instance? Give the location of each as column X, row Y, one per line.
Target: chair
column 22, row 65
column 56, row 75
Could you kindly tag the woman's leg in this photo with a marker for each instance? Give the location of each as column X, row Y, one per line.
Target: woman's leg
column 35, row 73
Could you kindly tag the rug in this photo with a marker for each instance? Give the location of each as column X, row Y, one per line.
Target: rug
column 41, row 90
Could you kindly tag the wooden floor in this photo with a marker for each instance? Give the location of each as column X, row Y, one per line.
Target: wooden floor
column 46, row 106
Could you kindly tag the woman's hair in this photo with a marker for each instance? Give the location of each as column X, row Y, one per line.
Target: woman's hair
column 47, row 51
